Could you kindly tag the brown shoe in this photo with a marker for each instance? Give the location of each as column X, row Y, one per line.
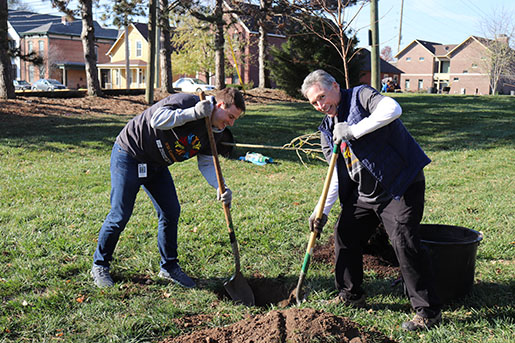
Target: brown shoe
column 420, row 323
column 352, row 301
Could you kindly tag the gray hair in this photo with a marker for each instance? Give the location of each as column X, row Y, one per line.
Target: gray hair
column 320, row 77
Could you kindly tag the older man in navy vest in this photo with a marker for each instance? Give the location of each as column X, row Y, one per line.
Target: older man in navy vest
column 379, row 179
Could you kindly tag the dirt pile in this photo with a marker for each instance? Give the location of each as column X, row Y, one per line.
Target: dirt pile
column 293, row 325
column 379, row 260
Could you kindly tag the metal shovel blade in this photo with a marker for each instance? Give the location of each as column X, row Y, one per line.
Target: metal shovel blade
column 239, row 290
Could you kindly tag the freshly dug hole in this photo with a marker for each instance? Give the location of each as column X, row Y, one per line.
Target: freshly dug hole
column 267, row 291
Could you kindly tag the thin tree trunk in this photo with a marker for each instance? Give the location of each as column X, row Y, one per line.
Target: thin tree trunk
column 149, row 93
column 262, row 57
column 219, row 47
column 165, row 51
column 6, row 83
column 263, row 45
column 88, row 44
column 127, row 55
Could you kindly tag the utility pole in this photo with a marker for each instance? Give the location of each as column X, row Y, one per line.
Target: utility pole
column 374, row 46
column 149, row 93
column 400, row 28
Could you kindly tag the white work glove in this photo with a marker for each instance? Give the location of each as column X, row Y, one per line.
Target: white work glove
column 342, row 132
column 203, row 109
column 225, row 197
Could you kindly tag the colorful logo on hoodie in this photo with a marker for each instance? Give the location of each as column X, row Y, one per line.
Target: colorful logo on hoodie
column 188, row 146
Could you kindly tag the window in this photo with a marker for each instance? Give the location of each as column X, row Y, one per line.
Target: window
column 117, row 77
column 30, row 47
column 445, row 66
column 474, row 65
column 408, row 59
column 465, row 72
column 31, row 73
column 421, row 59
column 456, row 79
column 41, row 46
column 406, row 84
column 138, row 48
column 420, row 84
column 41, row 71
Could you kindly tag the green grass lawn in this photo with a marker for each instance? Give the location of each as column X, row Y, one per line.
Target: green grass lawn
column 55, row 195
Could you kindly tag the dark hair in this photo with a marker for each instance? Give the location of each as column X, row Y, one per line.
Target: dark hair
column 231, row 96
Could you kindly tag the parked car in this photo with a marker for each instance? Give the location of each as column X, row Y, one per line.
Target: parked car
column 21, row 85
column 190, row 84
column 47, row 85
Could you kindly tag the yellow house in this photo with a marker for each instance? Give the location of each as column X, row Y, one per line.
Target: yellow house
column 113, row 74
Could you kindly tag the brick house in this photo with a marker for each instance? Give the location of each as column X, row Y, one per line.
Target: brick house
column 387, row 70
column 244, row 36
column 453, row 68
column 58, row 41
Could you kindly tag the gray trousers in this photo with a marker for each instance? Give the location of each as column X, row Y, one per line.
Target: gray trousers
column 401, row 219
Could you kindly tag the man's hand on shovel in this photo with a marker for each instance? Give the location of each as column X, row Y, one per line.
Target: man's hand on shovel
column 317, row 225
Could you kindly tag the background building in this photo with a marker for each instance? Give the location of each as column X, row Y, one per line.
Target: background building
column 57, row 40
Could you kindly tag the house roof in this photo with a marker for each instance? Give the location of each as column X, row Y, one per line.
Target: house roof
column 443, row 49
column 143, row 29
column 440, row 50
column 364, row 57
column 29, row 23
column 140, row 27
column 481, row 40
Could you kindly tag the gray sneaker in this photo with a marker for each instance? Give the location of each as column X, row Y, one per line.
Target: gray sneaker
column 178, row 276
column 101, row 276
column 421, row 323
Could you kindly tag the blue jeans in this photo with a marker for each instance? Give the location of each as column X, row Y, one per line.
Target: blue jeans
column 125, row 184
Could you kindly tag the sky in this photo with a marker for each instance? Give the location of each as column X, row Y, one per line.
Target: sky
column 440, row 21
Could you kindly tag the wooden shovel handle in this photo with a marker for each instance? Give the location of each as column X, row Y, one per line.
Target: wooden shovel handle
column 221, row 187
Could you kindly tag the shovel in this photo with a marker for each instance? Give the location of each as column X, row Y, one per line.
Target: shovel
column 313, row 235
column 237, row 287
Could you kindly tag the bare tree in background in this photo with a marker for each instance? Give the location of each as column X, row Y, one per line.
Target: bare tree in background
column 19, row 5
column 88, row 44
column 165, row 50
column 6, row 82
column 386, row 53
column 214, row 16
column 88, row 41
column 122, row 12
column 336, row 30
column 499, row 29
column 219, row 45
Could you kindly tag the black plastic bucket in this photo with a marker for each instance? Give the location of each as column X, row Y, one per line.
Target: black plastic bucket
column 452, row 250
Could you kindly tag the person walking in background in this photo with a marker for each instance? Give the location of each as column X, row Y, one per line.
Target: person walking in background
column 172, row 130
column 379, row 179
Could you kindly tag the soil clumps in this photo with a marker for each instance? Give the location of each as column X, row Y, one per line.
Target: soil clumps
column 293, row 325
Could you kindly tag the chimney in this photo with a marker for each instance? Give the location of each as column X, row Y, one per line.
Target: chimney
column 66, row 19
column 503, row 38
